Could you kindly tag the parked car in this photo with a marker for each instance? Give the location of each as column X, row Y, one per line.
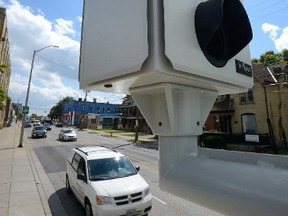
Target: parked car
column 67, row 134
column 36, row 123
column 106, row 183
column 48, row 126
column 27, row 124
column 59, row 124
column 38, row 131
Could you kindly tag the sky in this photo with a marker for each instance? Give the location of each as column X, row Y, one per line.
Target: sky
column 35, row 24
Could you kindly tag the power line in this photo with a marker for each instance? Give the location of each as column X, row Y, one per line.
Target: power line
column 256, row 5
column 266, row 15
column 48, row 60
column 269, row 6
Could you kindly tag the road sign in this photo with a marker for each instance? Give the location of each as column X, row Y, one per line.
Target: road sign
column 25, row 110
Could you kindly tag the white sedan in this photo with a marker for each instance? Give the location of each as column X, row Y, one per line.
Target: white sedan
column 67, row 134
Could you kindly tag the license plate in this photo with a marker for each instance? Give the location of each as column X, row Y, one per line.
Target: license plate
column 131, row 212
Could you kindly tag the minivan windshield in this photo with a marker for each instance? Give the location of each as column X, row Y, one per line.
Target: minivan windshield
column 110, row 168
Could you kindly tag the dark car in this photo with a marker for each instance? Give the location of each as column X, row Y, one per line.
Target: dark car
column 27, row 124
column 38, row 131
column 48, row 126
column 59, row 124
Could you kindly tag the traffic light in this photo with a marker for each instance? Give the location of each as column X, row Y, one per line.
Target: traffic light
column 223, row 29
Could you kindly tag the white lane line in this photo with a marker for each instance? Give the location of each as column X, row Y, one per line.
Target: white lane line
column 159, row 200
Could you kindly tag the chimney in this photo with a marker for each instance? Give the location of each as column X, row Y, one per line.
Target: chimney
column 94, row 100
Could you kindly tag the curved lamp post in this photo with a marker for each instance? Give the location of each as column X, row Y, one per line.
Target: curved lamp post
column 28, row 90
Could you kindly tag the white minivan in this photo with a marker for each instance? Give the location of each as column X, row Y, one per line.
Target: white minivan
column 106, row 183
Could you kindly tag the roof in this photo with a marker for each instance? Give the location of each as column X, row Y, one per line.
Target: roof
column 223, row 104
column 97, row 152
column 268, row 75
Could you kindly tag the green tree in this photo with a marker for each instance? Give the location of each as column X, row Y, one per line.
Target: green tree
column 270, row 58
column 3, row 68
column 2, row 92
column 56, row 111
column 2, row 98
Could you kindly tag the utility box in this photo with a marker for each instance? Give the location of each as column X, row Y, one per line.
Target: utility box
column 129, row 44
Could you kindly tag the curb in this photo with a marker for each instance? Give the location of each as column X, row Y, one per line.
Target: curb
column 44, row 185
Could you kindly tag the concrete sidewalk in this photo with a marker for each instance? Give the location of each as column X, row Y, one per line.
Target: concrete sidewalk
column 24, row 185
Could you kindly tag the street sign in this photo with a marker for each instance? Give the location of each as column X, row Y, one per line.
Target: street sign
column 25, row 110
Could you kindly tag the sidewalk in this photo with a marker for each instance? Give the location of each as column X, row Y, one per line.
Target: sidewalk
column 24, row 185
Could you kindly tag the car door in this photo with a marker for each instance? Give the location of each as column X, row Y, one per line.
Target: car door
column 81, row 183
column 72, row 171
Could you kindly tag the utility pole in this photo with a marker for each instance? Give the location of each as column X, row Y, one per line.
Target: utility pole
column 84, row 109
column 28, row 91
column 270, row 129
column 137, row 125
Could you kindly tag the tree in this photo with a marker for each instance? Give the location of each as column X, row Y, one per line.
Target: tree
column 3, row 68
column 56, row 111
column 2, row 92
column 2, row 98
column 270, row 58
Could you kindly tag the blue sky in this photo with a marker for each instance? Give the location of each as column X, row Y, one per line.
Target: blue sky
column 34, row 24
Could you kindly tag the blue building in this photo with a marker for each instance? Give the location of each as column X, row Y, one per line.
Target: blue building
column 92, row 114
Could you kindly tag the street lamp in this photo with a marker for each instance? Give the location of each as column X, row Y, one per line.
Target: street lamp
column 28, row 90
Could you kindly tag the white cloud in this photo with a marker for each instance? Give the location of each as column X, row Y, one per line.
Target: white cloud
column 282, row 42
column 270, row 29
column 55, row 71
column 28, row 31
column 64, row 27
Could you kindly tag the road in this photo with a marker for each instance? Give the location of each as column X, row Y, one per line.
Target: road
column 53, row 153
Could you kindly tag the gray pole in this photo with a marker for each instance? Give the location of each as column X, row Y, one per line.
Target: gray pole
column 26, row 101
column 27, row 94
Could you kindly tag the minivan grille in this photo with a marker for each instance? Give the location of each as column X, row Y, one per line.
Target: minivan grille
column 126, row 199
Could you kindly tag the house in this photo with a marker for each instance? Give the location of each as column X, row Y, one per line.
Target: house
column 91, row 114
column 259, row 116
column 130, row 115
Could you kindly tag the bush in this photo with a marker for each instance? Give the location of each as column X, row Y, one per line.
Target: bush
column 215, row 142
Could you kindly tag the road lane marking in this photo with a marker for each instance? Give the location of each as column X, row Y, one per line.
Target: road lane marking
column 159, row 200
column 143, row 162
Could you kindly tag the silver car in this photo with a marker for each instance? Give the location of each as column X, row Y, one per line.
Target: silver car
column 67, row 134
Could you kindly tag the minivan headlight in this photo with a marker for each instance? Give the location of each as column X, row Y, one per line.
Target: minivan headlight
column 147, row 192
column 103, row 200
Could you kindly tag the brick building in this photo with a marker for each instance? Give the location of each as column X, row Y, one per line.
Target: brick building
column 5, row 111
column 94, row 114
column 258, row 116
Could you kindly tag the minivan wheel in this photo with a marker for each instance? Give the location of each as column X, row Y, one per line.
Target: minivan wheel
column 68, row 188
column 88, row 209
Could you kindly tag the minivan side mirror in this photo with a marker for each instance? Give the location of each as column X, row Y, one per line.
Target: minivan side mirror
column 81, row 176
column 137, row 168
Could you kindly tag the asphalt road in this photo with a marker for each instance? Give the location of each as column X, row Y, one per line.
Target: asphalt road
column 53, row 154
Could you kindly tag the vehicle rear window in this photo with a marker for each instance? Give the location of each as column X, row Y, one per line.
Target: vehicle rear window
column 110, row 168
column 39, row 128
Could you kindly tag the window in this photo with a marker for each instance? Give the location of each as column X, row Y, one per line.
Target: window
column 98, row 109
column 249, row 123
column 286, row 77
column 247, row 97
column 81, row 167
column 75, row 161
